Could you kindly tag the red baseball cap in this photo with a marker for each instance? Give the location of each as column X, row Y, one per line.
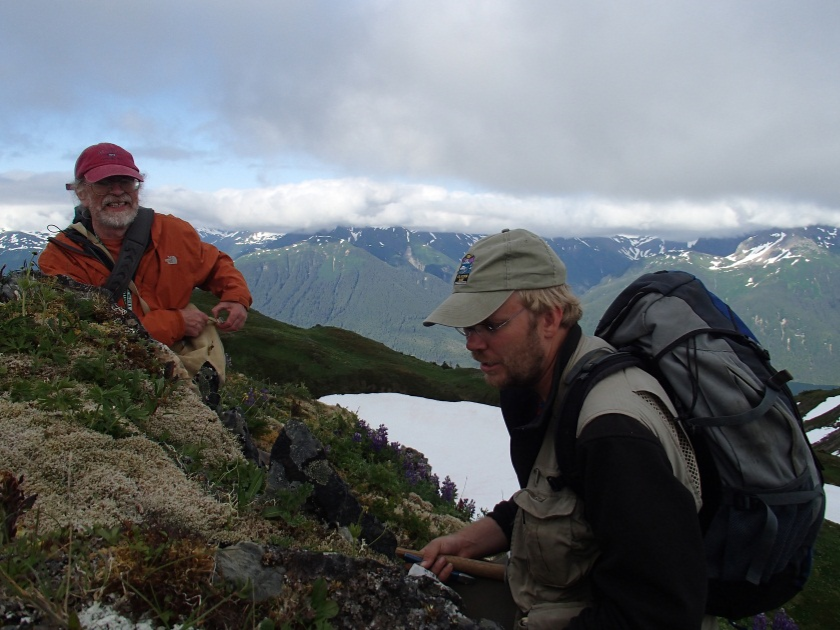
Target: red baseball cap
column 105, row 160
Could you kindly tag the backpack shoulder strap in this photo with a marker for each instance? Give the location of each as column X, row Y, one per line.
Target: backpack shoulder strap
column 79, row 235
column 134, row 245
column 590, row 370
column 123, row 269
column 85, row 247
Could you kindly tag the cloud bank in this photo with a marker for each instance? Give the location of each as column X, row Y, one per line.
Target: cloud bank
column 570, row 118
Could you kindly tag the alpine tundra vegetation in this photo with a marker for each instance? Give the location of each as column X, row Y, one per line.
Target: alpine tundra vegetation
column 120, row 492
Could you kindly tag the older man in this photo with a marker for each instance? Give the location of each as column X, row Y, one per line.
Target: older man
column 631, row 554
column 170, row 262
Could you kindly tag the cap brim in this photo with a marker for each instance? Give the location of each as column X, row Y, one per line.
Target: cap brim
column 462, row 310
column 110, row 170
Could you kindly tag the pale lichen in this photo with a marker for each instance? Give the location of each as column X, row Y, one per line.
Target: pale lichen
column 84, row 478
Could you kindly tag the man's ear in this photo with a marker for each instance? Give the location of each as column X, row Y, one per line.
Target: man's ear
column 552, row 320
column 82, row 194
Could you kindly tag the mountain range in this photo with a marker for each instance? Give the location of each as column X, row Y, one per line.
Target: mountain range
column 382, row 282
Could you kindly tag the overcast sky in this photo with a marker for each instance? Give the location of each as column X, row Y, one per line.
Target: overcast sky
column 666, row 117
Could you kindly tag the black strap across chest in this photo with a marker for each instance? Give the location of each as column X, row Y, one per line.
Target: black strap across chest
column 134, row 244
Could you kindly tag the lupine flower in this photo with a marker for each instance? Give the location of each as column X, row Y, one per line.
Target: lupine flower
column 422, row 470
column 448, row 490
column 380, row 438
column 760, row 622
column 411, row 474
column 782, row 622
column 466, row 507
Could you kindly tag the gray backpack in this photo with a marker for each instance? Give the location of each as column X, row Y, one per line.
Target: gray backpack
column 762, row 486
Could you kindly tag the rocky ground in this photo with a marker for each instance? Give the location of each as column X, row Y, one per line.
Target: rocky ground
column 116, row 518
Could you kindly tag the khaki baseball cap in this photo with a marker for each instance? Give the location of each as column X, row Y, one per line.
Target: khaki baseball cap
column 492, row 269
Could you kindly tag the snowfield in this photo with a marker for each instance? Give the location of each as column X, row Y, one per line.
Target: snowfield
column 469, row 443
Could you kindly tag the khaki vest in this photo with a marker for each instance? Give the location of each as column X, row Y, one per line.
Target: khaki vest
column 552, row 547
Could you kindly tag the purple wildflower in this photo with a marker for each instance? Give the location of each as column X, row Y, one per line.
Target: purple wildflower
column 411, row 473
column 466, row 507
column 782, row 622
column 760, row 622
column 448, row 490
column 422, row 469
column 380, row 438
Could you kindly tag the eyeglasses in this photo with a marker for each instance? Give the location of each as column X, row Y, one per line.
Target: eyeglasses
column 128, row 184
column 487, row 329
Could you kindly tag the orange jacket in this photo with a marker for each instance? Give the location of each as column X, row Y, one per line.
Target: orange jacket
column 175, row 262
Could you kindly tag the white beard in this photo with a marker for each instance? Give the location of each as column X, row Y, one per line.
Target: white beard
column 116, row 219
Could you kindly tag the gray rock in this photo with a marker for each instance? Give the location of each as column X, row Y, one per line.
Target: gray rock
column 302, row 459
column 242, row 565
column 367, row 593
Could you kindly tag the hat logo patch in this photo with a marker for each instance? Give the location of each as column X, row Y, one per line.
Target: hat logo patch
column 465, row 269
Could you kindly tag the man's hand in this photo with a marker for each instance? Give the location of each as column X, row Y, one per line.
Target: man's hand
column 478, row 539
column 434, row 555
column 194, row 321
column 236, row 316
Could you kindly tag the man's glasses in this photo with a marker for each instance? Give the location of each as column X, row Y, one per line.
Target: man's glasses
column 487, row 329
column 128, row 184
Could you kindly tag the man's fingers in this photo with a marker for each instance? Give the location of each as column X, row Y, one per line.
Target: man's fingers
column 236, row 314
column 441, row 568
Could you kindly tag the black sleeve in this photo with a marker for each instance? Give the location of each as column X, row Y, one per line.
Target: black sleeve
column 651, row 573
column 503, row 514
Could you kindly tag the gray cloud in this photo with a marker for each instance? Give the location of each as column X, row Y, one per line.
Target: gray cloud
column 315, row 205
column 601, row 108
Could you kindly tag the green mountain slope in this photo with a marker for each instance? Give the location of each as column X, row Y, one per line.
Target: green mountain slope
column 793, row 308
column 308, row 285
column 331, row 360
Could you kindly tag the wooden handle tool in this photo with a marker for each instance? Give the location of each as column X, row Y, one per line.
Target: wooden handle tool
column 476, row 568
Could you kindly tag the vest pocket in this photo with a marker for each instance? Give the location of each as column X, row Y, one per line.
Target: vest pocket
column 552, row 536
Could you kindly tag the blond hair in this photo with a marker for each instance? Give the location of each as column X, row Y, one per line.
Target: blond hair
column 541, row 300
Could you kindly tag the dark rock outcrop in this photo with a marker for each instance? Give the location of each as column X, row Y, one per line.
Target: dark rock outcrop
column 368, row 594
column 235, row 422
column 298, row 457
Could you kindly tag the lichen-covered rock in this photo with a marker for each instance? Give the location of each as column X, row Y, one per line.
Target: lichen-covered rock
column 298, row 457
column 368, row 593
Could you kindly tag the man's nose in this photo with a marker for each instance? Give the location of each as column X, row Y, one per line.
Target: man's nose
column 475, row 341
